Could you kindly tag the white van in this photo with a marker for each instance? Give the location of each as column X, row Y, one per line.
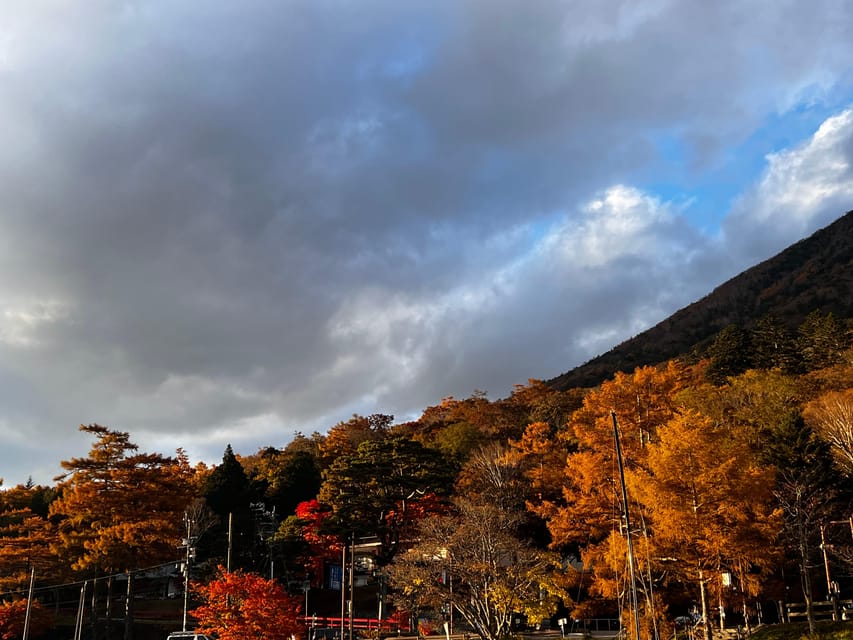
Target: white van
column 187, row 635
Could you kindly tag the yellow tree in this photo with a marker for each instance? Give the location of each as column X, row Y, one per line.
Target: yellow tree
column 751, row 402
column 641, row 401
column 709, row 502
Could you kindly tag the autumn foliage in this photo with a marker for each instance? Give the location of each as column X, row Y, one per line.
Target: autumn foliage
column 119, row 508
column 245, row 606
column 13, row 614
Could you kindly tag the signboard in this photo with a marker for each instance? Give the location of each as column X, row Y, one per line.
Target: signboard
column 336, row 578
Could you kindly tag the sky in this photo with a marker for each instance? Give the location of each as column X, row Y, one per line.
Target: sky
column 226, row 222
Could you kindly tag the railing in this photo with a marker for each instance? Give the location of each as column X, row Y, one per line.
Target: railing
column 331, row 623
column 592, row 624
column 821, row 609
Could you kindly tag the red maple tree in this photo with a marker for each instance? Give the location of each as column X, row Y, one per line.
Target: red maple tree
column 246, row 606
column 12, row 616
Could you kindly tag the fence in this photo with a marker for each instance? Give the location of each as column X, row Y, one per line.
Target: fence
column 821, row 609
column 329, row 627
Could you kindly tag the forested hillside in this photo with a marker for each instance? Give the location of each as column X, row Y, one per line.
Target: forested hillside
column 813, row 274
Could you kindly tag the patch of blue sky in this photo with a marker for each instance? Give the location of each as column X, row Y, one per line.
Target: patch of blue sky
column 674, row 178
column 706, row 192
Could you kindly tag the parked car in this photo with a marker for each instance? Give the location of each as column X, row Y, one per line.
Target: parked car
column 690, row 620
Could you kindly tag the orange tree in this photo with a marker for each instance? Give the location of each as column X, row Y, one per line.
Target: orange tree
column 541, row 461
column 584, row 513
column 710, row 505
column 119, row 509
column 25, row 537
column 245, row 606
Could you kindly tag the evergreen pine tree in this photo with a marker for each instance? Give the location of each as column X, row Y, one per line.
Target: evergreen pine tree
column 773, row 346
column 821, row 340
column 729, row 354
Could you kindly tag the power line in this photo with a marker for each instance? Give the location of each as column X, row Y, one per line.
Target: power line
column 77, row 583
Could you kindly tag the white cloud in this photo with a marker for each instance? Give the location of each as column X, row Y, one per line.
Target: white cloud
column 21, row 324
column 622, row 221
column 229, row 222
column 802, row 189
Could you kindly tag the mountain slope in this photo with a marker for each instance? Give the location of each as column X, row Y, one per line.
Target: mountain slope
column 815, row 273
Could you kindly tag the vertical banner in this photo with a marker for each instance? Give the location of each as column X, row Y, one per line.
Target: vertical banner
column 336, row 577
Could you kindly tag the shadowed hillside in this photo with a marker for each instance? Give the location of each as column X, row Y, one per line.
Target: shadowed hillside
column 815, row 273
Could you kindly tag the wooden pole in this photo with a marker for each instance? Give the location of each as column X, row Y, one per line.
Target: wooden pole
column 631, row 568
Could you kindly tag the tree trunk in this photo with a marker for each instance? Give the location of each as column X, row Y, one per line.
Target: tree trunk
column 703, row 596
column 806, row 581
column 805, row 576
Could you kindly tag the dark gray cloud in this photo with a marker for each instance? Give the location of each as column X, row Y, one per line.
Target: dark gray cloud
column 224, row 223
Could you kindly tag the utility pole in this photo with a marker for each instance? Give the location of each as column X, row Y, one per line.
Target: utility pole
column 94, row 609
column 450, row 587
column 230, row 532
column 128, row 608
column 343, row 586
column 78, row 625
column 631, row 568
column 351, row 585
column 190, row 555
